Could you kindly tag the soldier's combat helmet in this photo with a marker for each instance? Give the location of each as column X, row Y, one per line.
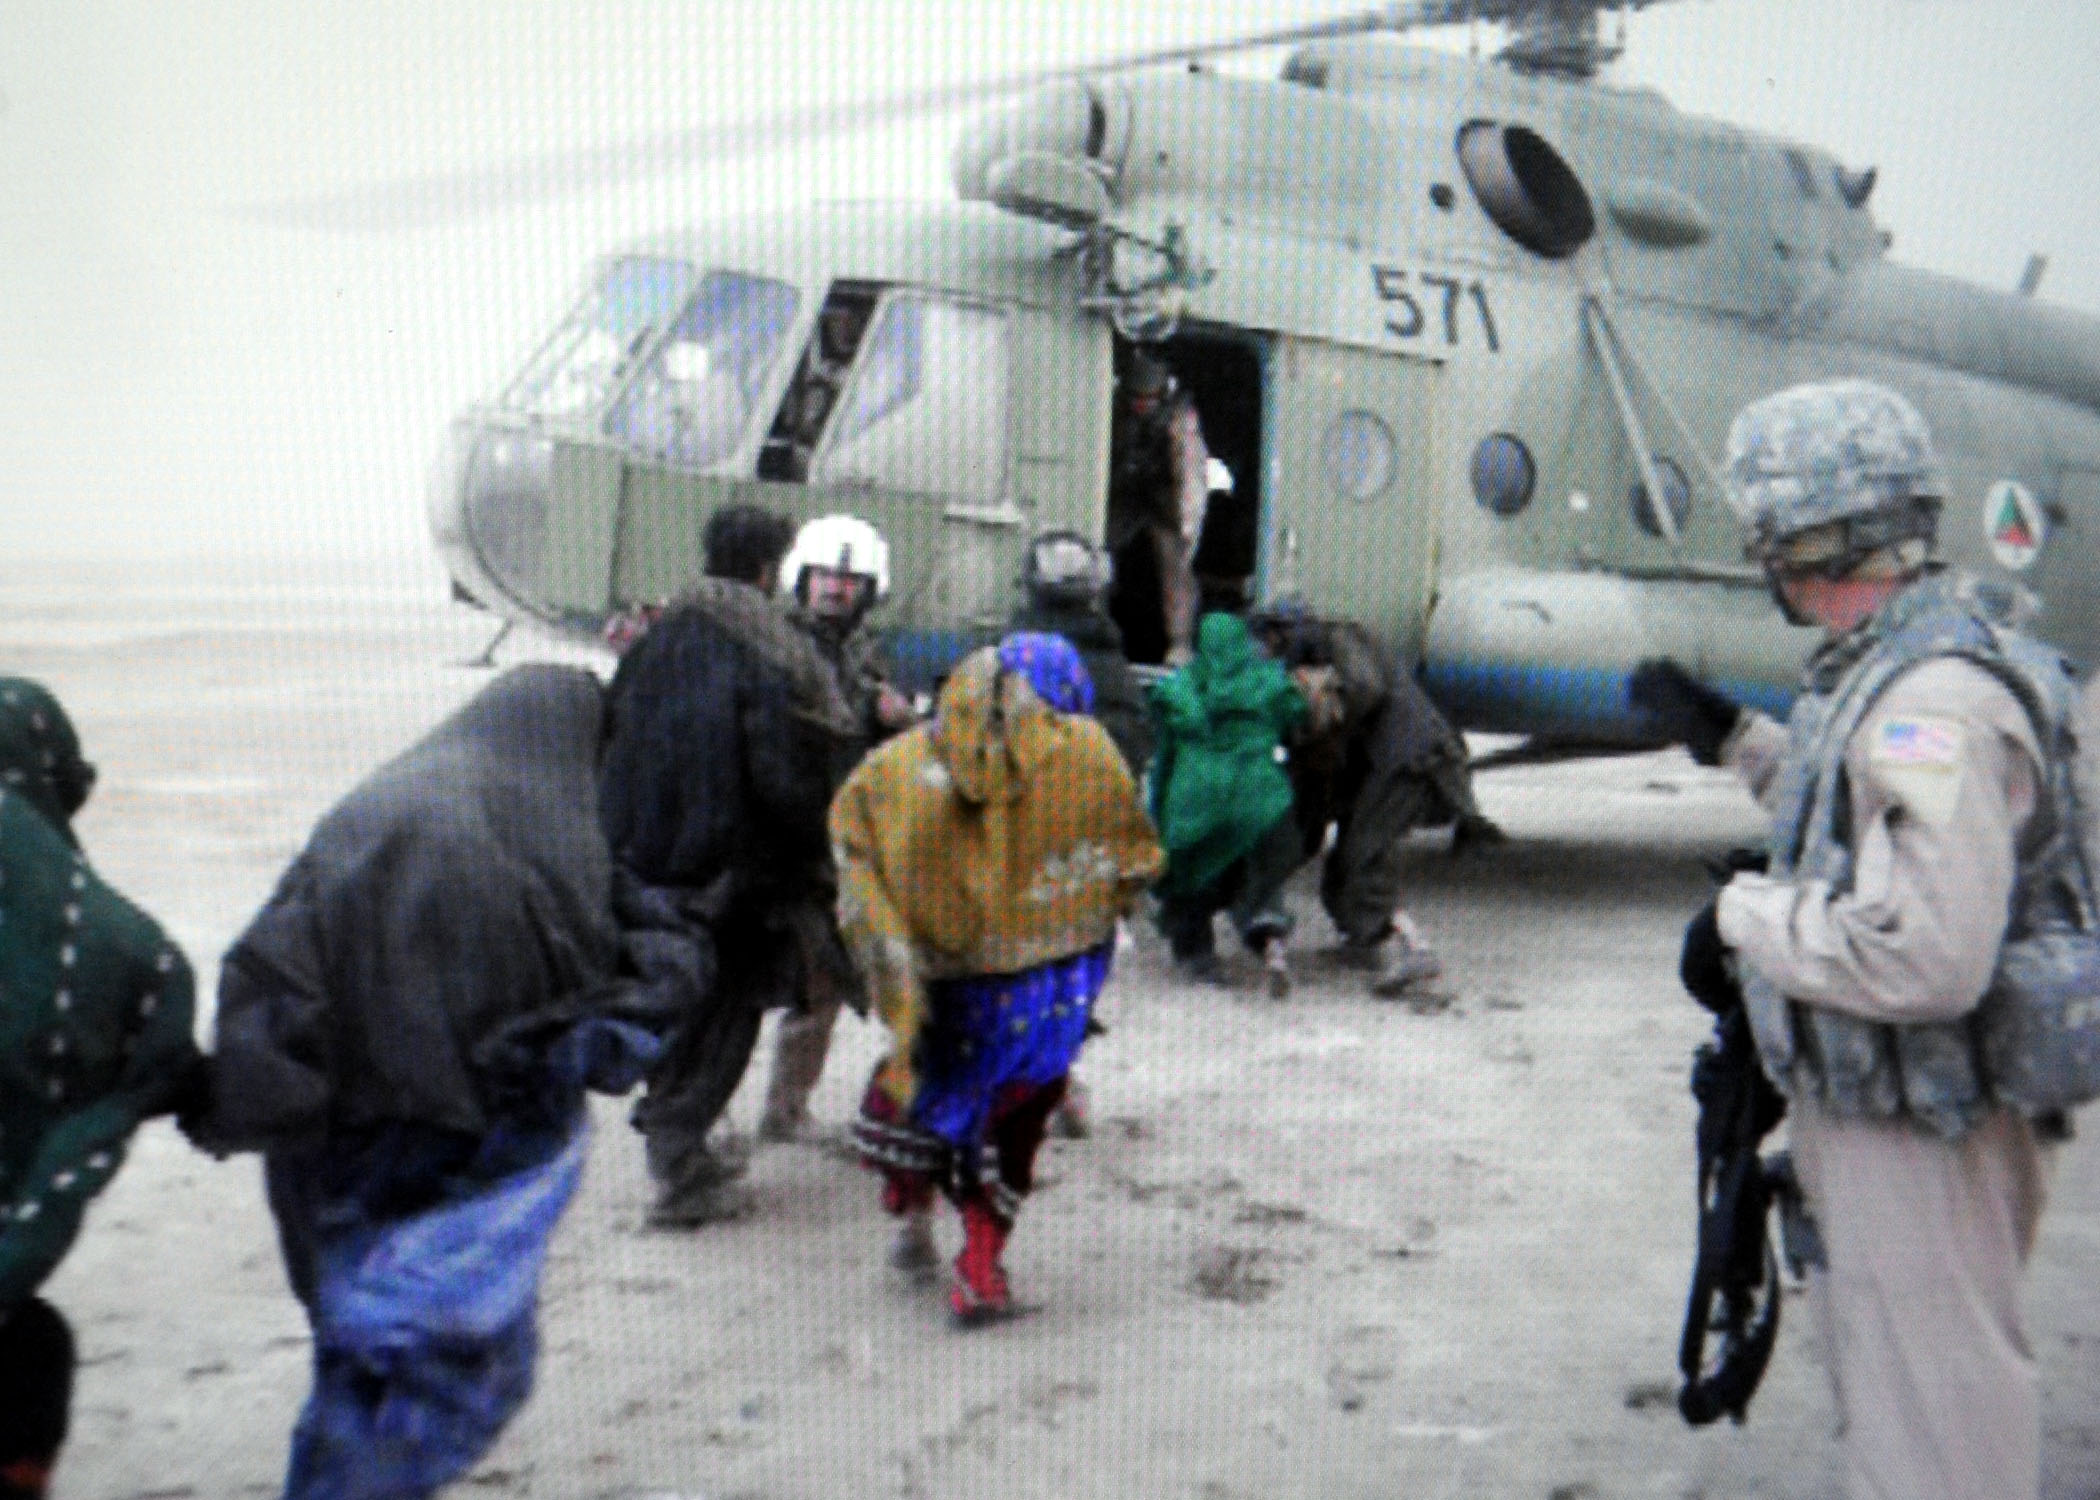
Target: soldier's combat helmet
column 1827, row 474
column 1063, row 567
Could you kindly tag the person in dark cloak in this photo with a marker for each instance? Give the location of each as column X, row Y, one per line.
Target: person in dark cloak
column 406, row 1032
column 1065, row 581
column 725, row 725
column 95, row 1007
column 1373, row 760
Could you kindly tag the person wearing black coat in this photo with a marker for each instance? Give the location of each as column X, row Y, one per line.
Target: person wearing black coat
column 1374, row 760
column 405, row 1032
column 1065, row 581
column 724, row 726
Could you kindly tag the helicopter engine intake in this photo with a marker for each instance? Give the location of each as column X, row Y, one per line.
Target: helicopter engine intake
column 1525, row 186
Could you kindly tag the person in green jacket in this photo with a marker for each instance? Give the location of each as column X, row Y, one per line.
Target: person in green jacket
column 94, row 1038
column 1222, row 801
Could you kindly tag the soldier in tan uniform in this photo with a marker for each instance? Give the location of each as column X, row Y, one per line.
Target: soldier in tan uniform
column 1904, row 792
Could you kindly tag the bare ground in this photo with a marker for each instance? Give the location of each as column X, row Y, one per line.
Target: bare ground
column 1325, row 1246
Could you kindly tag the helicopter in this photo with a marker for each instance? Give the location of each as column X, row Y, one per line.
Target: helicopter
column 1466, row 335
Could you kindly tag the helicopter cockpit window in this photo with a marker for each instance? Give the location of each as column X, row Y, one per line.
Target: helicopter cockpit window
column 813, row 392
column 576, row 369
column 926, row 406
column 696, row 399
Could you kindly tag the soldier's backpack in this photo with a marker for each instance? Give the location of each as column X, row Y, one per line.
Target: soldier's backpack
column 2038, row 1027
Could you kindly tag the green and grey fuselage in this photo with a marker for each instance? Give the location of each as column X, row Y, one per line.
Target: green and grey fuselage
column 1451, row 421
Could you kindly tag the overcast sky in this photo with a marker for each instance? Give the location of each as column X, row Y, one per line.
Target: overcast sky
column 176, row 377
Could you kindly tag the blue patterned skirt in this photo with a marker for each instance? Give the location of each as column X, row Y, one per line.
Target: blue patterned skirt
column 991, row 1042
column 991, row 1032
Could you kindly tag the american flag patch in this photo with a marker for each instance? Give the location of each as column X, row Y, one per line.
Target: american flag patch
column 1918, row 742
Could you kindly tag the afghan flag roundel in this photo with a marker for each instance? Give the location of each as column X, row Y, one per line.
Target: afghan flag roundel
column 2013, row 524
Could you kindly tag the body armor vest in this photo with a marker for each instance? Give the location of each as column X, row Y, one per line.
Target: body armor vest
column 2035, row 1038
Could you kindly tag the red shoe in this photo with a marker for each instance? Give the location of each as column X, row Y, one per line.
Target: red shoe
column 980, row 1292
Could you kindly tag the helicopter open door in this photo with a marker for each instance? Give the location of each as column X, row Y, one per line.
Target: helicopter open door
column 1353, row 511
column 1223, row 375
column 1333, row 455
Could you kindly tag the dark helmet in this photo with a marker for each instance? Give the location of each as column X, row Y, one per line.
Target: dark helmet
column 1063, row 567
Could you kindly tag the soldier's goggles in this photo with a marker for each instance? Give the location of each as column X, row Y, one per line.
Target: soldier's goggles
column 1836, row 548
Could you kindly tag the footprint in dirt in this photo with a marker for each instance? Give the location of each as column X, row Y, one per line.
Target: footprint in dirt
column 1232, row 1273
column 1363, row 1359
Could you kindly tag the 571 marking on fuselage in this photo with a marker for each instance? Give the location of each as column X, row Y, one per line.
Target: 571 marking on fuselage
column 1409, row 320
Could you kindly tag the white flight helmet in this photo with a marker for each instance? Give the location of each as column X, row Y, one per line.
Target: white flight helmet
column 845, row 544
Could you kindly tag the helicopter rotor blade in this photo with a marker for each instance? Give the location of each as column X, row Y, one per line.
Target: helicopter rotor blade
column 421, row 201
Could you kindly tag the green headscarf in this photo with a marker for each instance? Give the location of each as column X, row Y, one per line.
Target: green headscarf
column 40, row 759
